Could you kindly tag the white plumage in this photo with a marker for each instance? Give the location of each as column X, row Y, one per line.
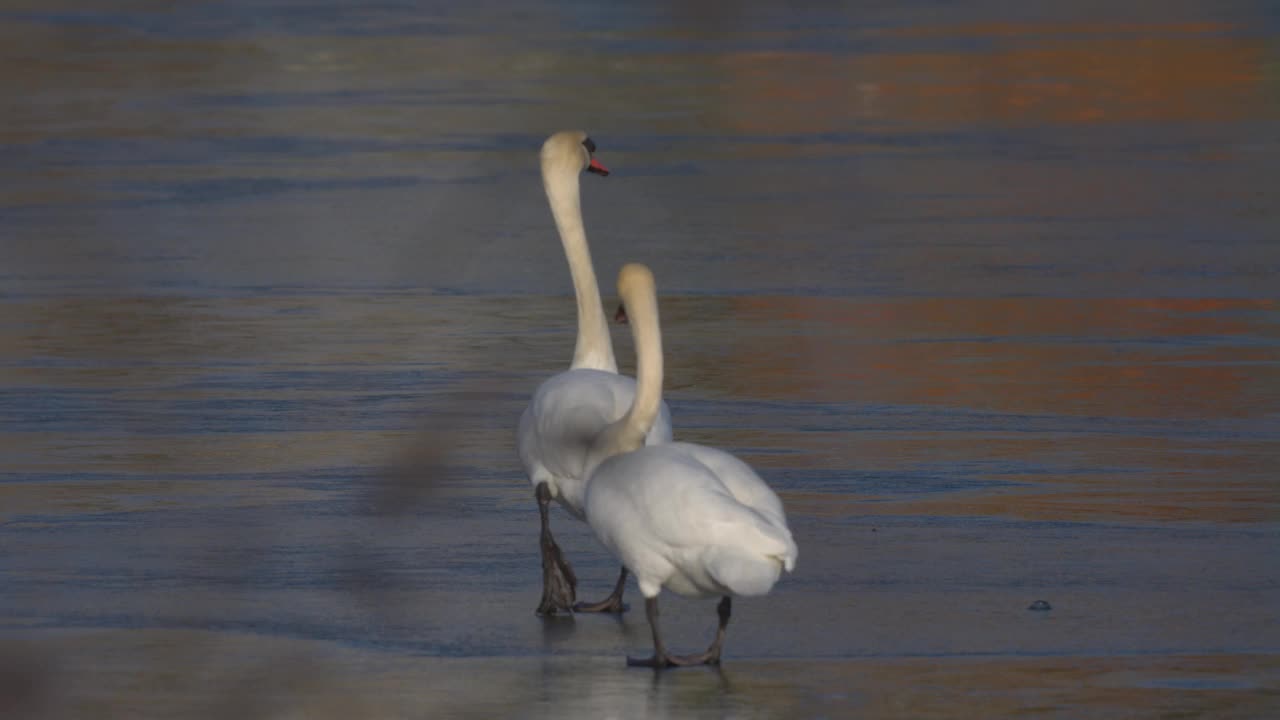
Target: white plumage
column 570, row 409
column 693, row 519
column 690, row 518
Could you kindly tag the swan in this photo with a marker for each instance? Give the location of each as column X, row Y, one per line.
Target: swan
column 569, row 409
column 693, row 519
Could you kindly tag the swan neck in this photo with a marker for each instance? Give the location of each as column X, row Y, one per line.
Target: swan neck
column 643, row 314
column 594, row 348
column 628, row 432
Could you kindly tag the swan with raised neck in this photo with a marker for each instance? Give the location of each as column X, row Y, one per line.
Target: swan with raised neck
column 565, row 155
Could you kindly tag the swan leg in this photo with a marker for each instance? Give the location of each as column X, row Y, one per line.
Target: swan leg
column 662, row 659
column 611, row 604
column 712, row 654
column 558, row 581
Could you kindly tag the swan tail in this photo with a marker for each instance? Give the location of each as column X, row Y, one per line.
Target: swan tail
column 741, row 572
column 787, row 552
column 752, row 568
column 772, row 539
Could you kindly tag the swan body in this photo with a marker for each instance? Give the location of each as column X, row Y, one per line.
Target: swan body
column 567, row 412
column 693, row 519
column 570, row 409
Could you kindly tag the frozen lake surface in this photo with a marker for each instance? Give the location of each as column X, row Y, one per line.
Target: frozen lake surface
column 988, row 295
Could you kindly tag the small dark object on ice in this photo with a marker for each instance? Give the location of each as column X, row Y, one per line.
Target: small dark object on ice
column 1040, row 605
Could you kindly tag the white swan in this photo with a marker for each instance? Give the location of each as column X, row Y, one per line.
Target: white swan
column 570, row 409
column 693, row 519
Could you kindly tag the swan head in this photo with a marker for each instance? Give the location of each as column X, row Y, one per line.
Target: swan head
column 635, row 281
column 571, row 151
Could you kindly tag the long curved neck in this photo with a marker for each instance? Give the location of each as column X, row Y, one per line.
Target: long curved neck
column 628, row 432
column 594, row 348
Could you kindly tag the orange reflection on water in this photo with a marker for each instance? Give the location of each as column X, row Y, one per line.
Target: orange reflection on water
column 1082, row 476
column 1023, row 74
column 1115, row 503
column 1097, row 357
column 1185, row 360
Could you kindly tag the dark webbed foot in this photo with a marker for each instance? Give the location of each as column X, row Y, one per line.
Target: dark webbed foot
column 558, row 582
column 654, row 662
column 611, row 604
column 559, row 585
column 666, row 661
column 662, row 659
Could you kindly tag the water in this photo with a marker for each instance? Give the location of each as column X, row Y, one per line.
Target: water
column 987, row 293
